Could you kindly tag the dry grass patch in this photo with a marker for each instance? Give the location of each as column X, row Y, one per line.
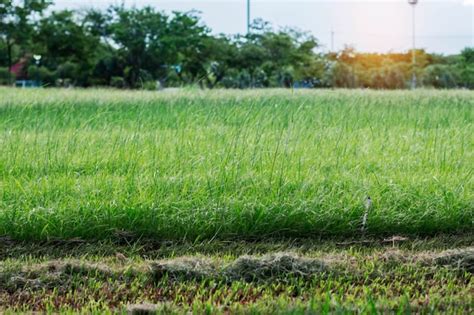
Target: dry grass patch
column 274, row 266
column 462, row 259
column 53, row 274
column 184, row 268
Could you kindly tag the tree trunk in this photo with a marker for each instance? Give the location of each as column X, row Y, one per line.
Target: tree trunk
column 10, row 61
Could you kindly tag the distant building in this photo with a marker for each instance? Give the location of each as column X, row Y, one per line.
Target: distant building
column 20, row 69
column 20, row 72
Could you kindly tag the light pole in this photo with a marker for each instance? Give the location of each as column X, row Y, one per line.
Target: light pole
column 332, row 40
column 37, row 59
column 248, row 17
column 413, row 52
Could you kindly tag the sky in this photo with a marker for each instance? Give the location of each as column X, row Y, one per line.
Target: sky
column 442, row 26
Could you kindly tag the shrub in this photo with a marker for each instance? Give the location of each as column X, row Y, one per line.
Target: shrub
column 68, row 73
column 42, row 74
column 151, row 85
column 5, row 76
column 441, row 76
column 117, row 82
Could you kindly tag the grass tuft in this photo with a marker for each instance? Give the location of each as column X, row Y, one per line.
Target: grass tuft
column 274, row 266
column 183, row 268
column 142, row 309
column 462, row 259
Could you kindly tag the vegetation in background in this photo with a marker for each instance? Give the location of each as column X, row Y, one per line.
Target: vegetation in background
column 138, row 47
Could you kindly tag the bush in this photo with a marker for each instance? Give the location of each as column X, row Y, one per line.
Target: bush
column 5, row 76
column 68, row 73
column 342, row 75
column 441, row 76
column 230, row 80
column 42, row 74
column 117, row 82
column 151, row 85
column 467, row 77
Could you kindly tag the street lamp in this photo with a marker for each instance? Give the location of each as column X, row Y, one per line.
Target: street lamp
column 37, row 59
column 413, row 52
column 248, row 16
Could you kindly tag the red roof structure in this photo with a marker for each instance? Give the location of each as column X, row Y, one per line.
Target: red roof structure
column 19, row 69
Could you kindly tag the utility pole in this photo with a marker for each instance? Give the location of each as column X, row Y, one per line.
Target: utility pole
column 332, row 40
column 248, row 17
column 413, row 52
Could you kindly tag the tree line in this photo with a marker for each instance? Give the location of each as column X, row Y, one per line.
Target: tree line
column 147, row 48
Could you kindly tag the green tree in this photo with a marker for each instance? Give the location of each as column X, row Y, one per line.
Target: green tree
column 109, row 65
column 221, row 51
column 67, row 46
column 17, row 21
column 441, row 76
column 280, row 58
column 143, row 42
column 190, row 43
column 467, row 68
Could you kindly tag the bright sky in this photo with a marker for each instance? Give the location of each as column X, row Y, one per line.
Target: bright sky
column 443, row 26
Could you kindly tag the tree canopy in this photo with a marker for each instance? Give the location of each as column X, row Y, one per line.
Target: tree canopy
column 147, row 48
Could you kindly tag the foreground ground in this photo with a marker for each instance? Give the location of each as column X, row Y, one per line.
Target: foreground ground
column 299, row 276
column 236, row 201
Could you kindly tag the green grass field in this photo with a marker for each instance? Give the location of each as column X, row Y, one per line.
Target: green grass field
column 201, row 165
column 236, row 201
